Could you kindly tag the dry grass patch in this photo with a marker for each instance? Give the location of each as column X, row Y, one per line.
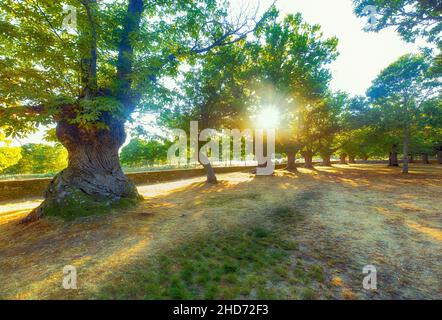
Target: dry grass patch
column 289, row 236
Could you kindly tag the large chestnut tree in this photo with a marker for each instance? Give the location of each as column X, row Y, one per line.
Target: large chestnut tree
column 90, row 78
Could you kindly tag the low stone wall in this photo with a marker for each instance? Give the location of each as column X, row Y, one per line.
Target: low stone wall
column 24, row 189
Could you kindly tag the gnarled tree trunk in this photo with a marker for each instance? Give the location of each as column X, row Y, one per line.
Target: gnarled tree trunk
column 393, row 159
column 93, row 182
column 291, row 158
column 343, row 158
column 351, row 159
column 326, row 161
column 308, row 159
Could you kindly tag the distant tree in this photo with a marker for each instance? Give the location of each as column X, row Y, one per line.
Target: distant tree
column 431, row 135
column 335, row 124
column 141, row 152
column 9, row 156
column 40, row 158
column 400, row 91
column 291, row 74
column 214, row 93
column 359, row 136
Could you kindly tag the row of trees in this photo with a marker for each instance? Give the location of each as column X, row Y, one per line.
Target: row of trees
column 9, row 156
column 140, row 152
column 284, row 66
column 92, row 81
column 32, row 158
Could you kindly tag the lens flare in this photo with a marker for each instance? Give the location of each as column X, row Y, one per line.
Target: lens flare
column 268, row 118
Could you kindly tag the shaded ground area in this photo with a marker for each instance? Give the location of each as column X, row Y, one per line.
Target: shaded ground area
column 289, row 236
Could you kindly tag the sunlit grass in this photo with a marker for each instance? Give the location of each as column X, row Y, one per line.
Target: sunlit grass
column 237, row 263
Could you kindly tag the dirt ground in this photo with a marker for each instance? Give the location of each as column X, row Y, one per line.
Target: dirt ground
column 348, row 216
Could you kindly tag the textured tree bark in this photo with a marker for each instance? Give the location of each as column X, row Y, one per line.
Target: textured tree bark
column 343, row 158
column 406, row 152
column 308, row 159
column 439, row 157
column 393, row 160
column 291, row 158
column 351, row 159
column 93, row 180
column 425, row 159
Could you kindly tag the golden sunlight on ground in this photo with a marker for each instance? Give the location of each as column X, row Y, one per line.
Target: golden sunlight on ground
column 353, row 215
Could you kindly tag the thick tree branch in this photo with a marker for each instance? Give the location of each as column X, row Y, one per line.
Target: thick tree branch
column 126, row 53
column 130, row 97
column 89, row 63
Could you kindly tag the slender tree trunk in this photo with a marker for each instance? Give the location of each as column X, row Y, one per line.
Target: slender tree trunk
column 343, row 158
column 202, row 158
column 308, row 159
column 351, row 159
column 365, row 158
column 93, row 182
column 210, row 172
column 425, row 158
column 439, row 157
column 406, row 151
column 291, row 158
column 410, row 158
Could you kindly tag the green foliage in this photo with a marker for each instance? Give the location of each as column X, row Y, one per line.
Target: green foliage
column 90, row 111
column 284, row 65
column 332, row 121
column 40, row 158
column 43, row 65
column 292, row 57
column 411, row 18
column 406, row 78
column 9, row 156
column 291, row 74
column 141, row 152
column 402, row 95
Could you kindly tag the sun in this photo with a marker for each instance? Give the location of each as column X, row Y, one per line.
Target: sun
column 268, row 118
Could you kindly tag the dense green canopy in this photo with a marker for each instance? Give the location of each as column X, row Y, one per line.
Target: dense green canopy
column 111, row 63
